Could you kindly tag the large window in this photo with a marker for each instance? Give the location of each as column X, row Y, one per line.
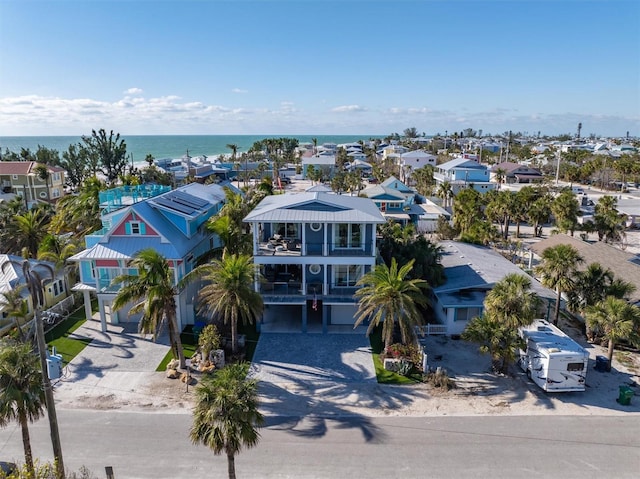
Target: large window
column 347, row 235
column 346, row 275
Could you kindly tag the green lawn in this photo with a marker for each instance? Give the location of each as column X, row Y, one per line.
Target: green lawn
column 68, row 347
column 382, row 375
column 190, row 344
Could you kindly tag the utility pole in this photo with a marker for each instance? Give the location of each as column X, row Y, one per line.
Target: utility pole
column 35, row 285
column 48, row 396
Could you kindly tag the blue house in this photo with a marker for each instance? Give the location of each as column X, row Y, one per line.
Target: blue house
column 463, row 172
column 170, row 222
column 311, row 249
column 394, row 199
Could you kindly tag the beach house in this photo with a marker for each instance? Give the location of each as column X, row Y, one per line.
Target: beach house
column 471, row 272
column 172, row 222
column 463, row 172
column 24, row 179
column 11, row 277
column 311, row 248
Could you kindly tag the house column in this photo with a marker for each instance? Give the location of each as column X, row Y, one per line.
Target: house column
column 304, row 317
column 325, row 245
column 88, row 312
column 103, row 316
column 325, row 314
column 256, row 239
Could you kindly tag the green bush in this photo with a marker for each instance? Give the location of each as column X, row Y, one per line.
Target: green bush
column 209, row 340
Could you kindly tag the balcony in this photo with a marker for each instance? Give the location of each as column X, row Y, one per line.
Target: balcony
column 294, row 247
column 294, row 292
column 116, row 198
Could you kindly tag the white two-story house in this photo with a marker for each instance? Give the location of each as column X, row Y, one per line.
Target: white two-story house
column 311, row 249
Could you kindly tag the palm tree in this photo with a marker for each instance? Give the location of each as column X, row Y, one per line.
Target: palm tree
column 228, row 293
column 15, row 306
column 153, row 293
column 26, row 231
column 495, row 338
column 616, row 320
column 226, row 416
column 500, row 176
column 57, row 250
column 22, row 395
column 387, row 297
column 445, row 192
column 558, row 268
column 508, row 306
column 35, row 282
column 228, row 224
column 512, row 302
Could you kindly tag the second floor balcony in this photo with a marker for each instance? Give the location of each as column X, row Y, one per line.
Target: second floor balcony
column 295, row 247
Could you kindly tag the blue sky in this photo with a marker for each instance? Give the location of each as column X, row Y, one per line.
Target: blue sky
column 319, row 67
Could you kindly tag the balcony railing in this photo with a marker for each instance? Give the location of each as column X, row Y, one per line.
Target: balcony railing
column 296, row 248
column 294, row 290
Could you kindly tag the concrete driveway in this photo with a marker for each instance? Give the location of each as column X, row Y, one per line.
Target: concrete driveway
column 313, row 374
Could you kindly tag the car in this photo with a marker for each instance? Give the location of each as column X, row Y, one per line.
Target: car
column 285, row 180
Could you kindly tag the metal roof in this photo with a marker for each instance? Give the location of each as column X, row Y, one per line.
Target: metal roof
column 316, row 207
column 469, row 266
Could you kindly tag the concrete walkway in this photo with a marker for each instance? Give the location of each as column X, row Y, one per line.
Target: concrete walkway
column 117, row 366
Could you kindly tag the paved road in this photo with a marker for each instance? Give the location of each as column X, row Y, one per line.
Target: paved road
column 140, row 445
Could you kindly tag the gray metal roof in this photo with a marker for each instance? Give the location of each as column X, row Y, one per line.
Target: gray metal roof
column 126, row 247
column 471, row 266
column 315, row 207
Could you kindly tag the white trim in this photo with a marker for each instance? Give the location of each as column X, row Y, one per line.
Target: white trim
column 317, row 228
column 315, row 268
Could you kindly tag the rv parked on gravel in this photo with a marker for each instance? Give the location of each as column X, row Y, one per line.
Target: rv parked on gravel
column 551, row 359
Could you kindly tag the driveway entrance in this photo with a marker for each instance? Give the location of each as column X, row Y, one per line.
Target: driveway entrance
column 312, row 373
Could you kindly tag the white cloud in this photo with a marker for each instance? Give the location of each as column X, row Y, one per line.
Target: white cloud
column 239, row 90
column 133, row 91
column 348, row 109
column 170, row 114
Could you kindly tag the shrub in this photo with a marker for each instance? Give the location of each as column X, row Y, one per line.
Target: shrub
column 209, row 340
column 440, row 379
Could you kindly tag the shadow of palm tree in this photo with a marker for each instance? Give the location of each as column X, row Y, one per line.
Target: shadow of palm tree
column 306, row 381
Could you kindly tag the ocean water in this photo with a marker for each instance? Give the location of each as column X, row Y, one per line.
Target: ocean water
column 170, row 146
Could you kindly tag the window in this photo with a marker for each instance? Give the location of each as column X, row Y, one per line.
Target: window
column 56, row 177
column 286, row 230
column 316, row 226
column 58, row 287
column 466, row 314
column 135, row 228
column 347, row 235
column 314, row 268
column 575, row 366
column 346, row 275
column 55, row 193
column 14, row 177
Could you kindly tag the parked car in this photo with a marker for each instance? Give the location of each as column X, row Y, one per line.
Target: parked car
column 7, row 468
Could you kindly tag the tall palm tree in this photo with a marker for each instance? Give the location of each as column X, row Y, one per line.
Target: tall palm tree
column 153, row 293
column 616, row 320
column 228, row 294
column 387, row 297
column 21, row 392
column 558, row 268
column 226, row 416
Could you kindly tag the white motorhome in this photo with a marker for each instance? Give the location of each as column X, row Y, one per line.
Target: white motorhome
column 553, row 360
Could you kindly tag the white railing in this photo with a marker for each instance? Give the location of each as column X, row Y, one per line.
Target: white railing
column 431, row 329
